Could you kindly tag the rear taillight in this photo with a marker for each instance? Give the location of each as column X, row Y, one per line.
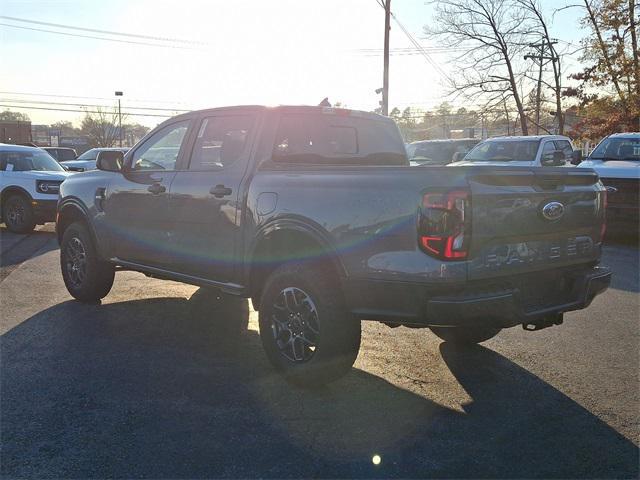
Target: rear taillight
column 603, row 203
column 443, row 226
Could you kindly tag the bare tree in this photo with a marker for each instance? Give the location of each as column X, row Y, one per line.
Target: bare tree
column 533, row 9
column 494, row 35
column 101, row 126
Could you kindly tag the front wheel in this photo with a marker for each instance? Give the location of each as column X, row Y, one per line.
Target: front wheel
column 85, row 275
column 306, row 330
column 465, row 335
column 18, row 214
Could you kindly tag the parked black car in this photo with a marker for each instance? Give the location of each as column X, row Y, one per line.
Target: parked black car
column 315, row 214
column 61, row 154
column 439, row 152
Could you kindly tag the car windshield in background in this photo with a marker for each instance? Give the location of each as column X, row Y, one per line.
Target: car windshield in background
column 89, row 154
column 24, row 161
column 617, row 149
column 504, row 151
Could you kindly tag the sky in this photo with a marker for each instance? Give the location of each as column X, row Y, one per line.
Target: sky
column 230, row 52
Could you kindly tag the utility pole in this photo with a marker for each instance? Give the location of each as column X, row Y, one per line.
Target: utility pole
column 119, row 94
column 539, row 58
column 385, row 75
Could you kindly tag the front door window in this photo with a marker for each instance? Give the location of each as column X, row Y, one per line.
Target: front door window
column 160, row 152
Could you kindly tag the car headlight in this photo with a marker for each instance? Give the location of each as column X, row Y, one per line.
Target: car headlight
column 47, row 186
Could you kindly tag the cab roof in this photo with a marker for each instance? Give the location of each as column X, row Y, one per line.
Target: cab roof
column 10, row 147
column 446, row 140
column 633, row 135
column 290, row 109
column 520, row 138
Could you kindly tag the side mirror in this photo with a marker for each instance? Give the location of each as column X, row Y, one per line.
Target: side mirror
column 457, row 156
column 576, row 157
column 110, row 160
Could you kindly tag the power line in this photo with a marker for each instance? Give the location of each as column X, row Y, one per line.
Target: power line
column 96, row 38
column 81, row 111
column 56, row 95
column 419, row 47
column 15, row 100
column 416, row 44
column 108, row 32
column 411, row 49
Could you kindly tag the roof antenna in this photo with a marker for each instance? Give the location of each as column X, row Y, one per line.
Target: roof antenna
column 324, row 102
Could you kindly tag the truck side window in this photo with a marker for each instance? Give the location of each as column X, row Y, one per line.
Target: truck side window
column 565, row 147
column 221, row 141
column 312, row 140
column 548, row 152
column 160, row 152
column 332, row 140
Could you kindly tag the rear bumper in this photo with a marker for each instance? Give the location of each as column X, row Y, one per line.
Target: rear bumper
column 44, row 210
column 509, row 302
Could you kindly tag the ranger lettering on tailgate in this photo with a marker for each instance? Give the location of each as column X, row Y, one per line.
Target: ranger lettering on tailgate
column 536, row 252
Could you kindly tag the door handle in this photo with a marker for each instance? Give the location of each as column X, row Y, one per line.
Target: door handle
column 157, row 189
column 220, row 191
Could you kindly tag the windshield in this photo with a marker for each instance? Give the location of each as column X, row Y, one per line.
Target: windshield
column 89, row 155
column 27, row 160
column 504, row 151
column 617, row 149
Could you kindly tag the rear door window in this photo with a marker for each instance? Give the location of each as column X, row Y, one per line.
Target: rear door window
column 317, row 139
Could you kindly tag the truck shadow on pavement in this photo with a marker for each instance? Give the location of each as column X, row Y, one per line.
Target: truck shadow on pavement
column 171, row 388
column 15, row 248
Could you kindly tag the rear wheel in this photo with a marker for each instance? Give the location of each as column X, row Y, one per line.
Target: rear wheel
column 306, row 330
column 18, row 215
column 86, row 276
column 465, row 335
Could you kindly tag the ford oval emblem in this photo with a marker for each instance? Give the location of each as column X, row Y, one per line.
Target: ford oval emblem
column 553, row 211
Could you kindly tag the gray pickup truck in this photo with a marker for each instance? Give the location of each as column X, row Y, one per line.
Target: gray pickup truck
column 315, row 214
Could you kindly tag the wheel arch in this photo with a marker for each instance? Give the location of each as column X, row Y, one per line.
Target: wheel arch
column 288, row 241
column 70, row 212
column 13, row 190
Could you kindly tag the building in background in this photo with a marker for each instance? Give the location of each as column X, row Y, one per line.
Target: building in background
column 15, row 131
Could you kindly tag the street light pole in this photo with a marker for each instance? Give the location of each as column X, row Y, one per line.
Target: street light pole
column 119, row 94
column 385, row 75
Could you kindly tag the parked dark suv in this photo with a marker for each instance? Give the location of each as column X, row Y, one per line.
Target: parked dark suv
column 439, row 152
column 61, row 154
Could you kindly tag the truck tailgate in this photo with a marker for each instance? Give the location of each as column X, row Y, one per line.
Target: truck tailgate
column 524, row 220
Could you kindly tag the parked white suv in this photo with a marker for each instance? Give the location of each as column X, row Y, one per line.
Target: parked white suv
column 29, row 183
column 531, row 151
column 616, row 159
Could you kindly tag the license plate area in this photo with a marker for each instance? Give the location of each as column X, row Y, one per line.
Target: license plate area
column 540, row 290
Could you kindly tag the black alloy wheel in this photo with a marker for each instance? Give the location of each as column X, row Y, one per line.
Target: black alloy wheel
column 294, row 324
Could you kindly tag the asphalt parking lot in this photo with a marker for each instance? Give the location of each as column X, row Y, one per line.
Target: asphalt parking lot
column 156, row 383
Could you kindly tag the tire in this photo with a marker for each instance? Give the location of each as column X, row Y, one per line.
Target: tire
column 87, row 277
column 465, row 335
column 18, row 214
column 306, row 331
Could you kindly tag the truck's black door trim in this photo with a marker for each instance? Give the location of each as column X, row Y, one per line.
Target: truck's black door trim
column 231, row 288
